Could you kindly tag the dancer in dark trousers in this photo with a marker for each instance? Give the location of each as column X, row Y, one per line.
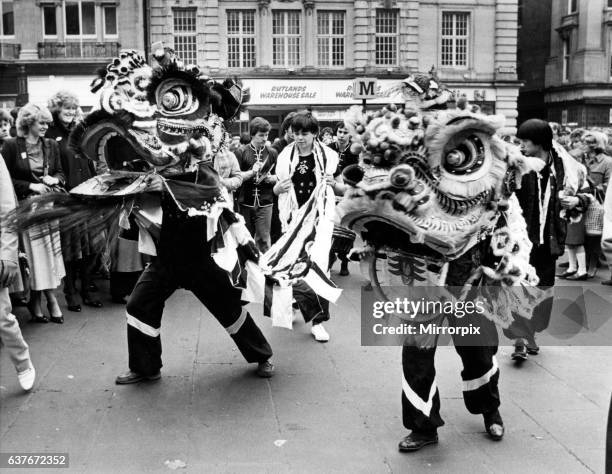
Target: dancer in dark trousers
column 185, row 261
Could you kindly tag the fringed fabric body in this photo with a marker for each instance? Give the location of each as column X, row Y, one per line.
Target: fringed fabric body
column 107, row 201
column 301, row 254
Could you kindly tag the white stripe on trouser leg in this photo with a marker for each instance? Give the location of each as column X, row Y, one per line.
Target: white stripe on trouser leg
column 142, row 327
column 470, row 385
column 234, row 328
column 417, row 401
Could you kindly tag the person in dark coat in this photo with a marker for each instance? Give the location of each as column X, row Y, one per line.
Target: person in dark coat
column 34, row 164
column 79, row 247
column 342, row 146
column 540, row 200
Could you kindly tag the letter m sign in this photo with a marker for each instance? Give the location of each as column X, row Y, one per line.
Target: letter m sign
column 364, row 88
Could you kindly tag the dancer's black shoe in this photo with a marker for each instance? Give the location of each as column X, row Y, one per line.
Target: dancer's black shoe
column 417, row 440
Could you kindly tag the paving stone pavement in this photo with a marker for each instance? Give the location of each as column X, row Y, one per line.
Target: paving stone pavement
column 331, row 407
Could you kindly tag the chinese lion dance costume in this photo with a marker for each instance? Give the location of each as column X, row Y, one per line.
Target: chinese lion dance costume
column 156, row 132
column 433, row 201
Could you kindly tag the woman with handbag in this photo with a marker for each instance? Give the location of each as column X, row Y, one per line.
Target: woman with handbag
column 35, row 168
column 599, row 169
column 79, row 248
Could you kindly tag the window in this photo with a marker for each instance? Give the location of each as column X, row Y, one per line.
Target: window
column 566, row 60
column 80, row 18
column 49, row 20
column 110, row 21
column 330, row 39
column 8, row 19
column 185, row 34
column 286, row 38
column 572, row 6
column 609, row 3
column 386, row 37
column 241, row 38
column 455, row 39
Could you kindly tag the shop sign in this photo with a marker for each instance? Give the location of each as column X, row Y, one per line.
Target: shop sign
column 339, row 92
column 365, row 88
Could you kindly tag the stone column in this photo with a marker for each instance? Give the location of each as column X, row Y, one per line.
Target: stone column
column 309, row 37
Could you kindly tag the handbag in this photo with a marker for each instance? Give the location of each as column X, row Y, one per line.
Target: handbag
column 22, row 285
column 594, row 215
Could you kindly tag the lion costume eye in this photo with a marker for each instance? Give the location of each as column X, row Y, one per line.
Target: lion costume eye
column 465, row 157
column 175, row 97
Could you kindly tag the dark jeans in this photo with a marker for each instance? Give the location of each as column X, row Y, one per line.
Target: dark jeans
column 545, row 265
column 313, row 307
column 258, row 220
column 211, row 285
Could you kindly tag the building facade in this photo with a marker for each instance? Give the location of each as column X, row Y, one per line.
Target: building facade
column 534, row 35
column 578, row 70
column 47, row 45
column 305, row 53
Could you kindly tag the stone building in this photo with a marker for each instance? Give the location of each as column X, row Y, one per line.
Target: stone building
column 305, row 53
column 46, row 45
column 579, row 69
column 565, row 61
column 534, row 35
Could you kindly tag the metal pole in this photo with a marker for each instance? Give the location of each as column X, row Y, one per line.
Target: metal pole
column 364, row 105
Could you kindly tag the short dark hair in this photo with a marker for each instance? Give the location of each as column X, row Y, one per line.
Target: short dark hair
column 538, row 131
column 305, row 122
column 245, row 138
column 339, row 125
column 257, row 125
column 286, row 123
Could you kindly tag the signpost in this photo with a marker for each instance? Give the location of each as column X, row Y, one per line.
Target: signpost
column 364, row 88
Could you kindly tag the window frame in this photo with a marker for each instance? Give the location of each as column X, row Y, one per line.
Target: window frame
column 331, row 36
column 103, row 8
column 2, row 35
column 454, row 37
column 241, row 36
column 394, row 35
column 572, row 6
column 80, row 36
column 193, row 34
column 43, row 6
column 566, row 54
column 286, row 36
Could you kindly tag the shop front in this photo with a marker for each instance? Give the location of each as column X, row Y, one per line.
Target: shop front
column 41, row 88
column 329, row 99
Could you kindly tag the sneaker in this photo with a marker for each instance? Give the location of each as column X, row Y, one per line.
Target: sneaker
column 26, row 378
column 319, row 333
column 265, row 369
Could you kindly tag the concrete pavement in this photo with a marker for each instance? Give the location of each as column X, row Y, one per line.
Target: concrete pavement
column 331, row 407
